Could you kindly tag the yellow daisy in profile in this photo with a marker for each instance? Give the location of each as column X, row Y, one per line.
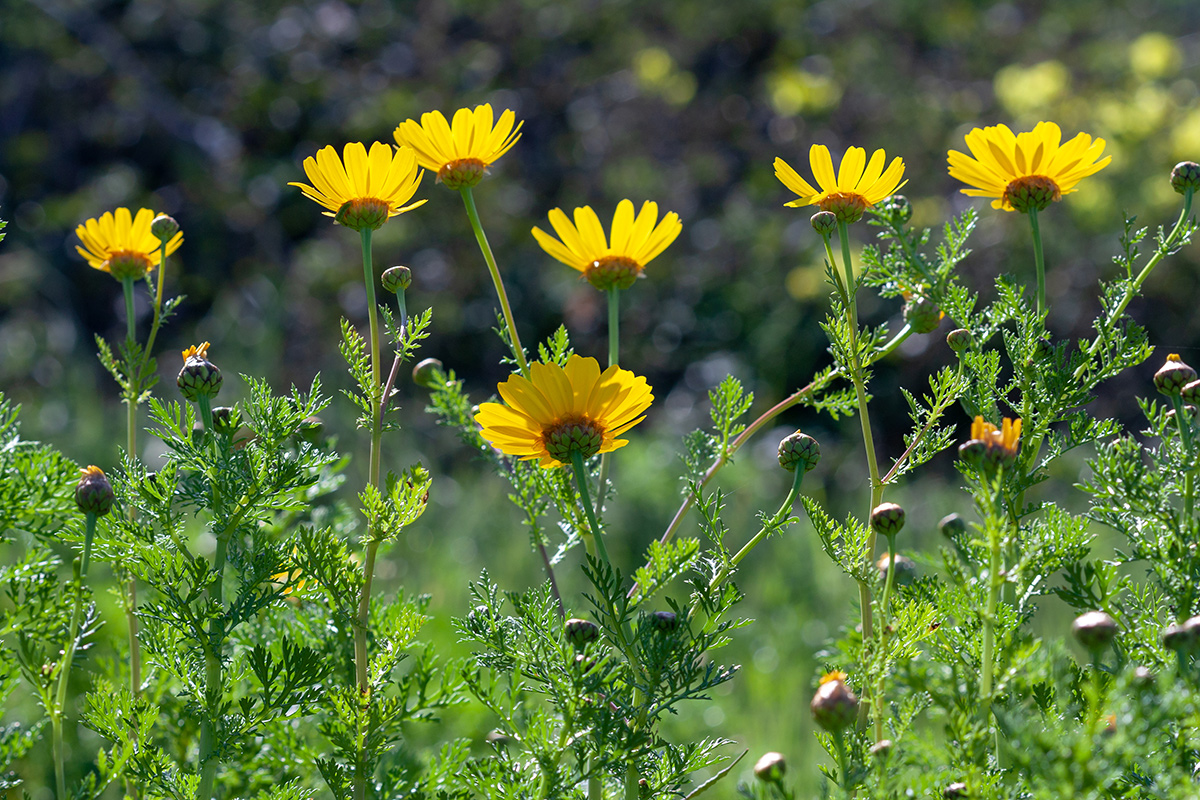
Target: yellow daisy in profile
column 616, row 262
column 558, row 413
column 857, row 186
column 361, row 189
column 122, row 244
column 1025, row 171
column 1004, row 438
column 460, row 152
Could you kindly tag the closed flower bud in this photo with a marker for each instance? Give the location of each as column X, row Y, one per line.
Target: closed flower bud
column 199, row 376
column 644, row 790
column 1177, row 638
column 955, row 791
column 1173, row 376
column 93, row 493
column 952, row 525
column 1095, row 630
column 225, row 419
column 770, row 768
column 960, row 340
column 906, row 569
column 396, row 279
column 580, row 632
column 164, row 227
column 799, row 450
column 834, row 706
column 1191, row 392
column 922, row 314
column 881, row 748
column 1186, row 175
column 887, row 519
column 498, row 738
column 896, row 208
column 1143, row 678
column 664, row 621
column 973, row 452
column 824, row 223
column 1189, row 411
column 426, row 373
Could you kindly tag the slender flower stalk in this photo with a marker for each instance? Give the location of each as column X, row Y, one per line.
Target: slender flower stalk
column 614, row 349
column 497, row 281
column 1039, row 261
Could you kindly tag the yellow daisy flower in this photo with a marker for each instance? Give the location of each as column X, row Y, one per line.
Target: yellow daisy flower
column 365, row 190
column 121, row 244
column 857, row 186
column 1028, row 170
column 614, row 263
column 1004, row 438
column 559, row 412
column 460, row 152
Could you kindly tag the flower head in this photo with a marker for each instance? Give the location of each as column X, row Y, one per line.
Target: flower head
column 199, row 376
column 1028, row 170
column 559, row 412
column 122, row 244
column 615, row 262
column 989, row 445
column 361, row 189
column 93, row 493
column 459, row 152
column 857, row 186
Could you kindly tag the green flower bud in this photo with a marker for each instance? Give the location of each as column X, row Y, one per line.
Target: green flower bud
column 887, row 519
column 164, row 227
column 922, row 314
column 824, row 223
column 1173, row 376
column 93, row 493
column 906, row 569
column 799, row 450
column 580, row 632
column 311, row 429
column 952, row 525
column 664, row 621
column 955, row 791
column 1177, row 638
column 225, row 419
column 834, row 706
column 1186, row 175
column 881, row 748
column 1095, row 630
column 396, row 279
column 498, row 738
column 960, row 340
column 770, row 768
column 199, row 376
column 426, row 373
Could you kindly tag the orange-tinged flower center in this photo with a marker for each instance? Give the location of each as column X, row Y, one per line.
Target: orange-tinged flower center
column 130, row 264
column 613, row 272
column 463, row 172
column 1032, row 192
column 572, row 435
column 363, row 212
column 846, row 206
column 829, row 677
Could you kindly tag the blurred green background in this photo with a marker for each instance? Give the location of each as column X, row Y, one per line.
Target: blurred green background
column 205, row 109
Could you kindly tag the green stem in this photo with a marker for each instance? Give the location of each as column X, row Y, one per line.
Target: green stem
column 486, row 249
column 843, row 762
column 595, row 534
column 1184, row 423
column 995, row 583
column 212, row 673
column 884, row 609
column 130, row 322
column 860, row 392
column 64, row 675
column 363, row 620
column 784, row 511
column 1040, row 261
column 158, row 295
column 614, row 348
column 1133, row 288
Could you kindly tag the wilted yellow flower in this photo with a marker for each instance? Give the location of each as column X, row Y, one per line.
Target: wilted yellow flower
column 1028, row 170
column 368, row 188
column 616, row 262
column 559, row 412
column 857, row 186
column 459, row 152
column 121, row 244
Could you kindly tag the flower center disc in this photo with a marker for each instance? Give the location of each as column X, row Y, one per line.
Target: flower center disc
column 464, row 172
column 612, row 272
column 1032, row 192
column 573, row 435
